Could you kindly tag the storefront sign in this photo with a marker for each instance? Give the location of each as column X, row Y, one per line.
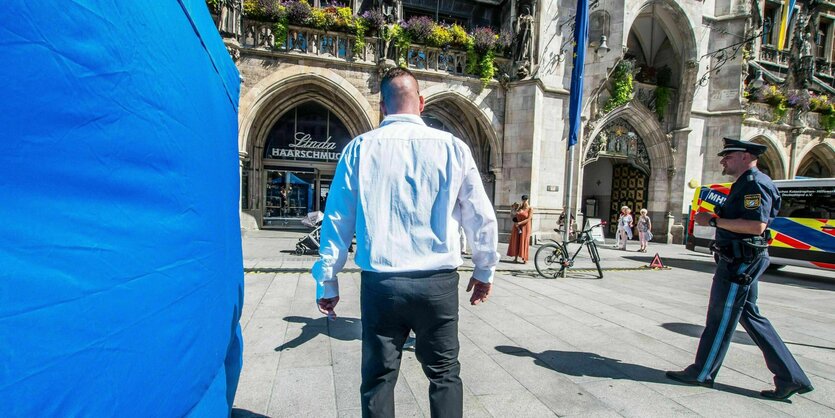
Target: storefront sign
column 307, row 148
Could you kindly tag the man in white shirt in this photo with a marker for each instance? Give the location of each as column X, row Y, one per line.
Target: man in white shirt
column 404, row 189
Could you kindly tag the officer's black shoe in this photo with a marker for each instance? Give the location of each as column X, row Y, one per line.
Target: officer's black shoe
column 686, row 378
column 783, row 394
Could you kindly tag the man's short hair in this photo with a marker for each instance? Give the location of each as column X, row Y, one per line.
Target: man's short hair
column 390, row 75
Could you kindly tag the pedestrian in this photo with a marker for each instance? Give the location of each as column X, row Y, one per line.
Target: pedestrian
column 644, row 229
column 741, row 249
column 520, row 234
column 625, row 226
column 619, row 229
column 404, row 188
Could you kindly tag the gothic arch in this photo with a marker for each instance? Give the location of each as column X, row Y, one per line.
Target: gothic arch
column 678, row 28
column 822, row 154
column 463, row 115
column 674, row 21
column 773, row 158
column 657, row 147
column 646, row 124
column 265, row 102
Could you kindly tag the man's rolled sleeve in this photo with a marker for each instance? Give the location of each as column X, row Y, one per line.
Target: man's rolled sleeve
column 337, row 227
column 479, row 222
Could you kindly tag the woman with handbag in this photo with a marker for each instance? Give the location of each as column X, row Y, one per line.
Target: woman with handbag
column 644, row 230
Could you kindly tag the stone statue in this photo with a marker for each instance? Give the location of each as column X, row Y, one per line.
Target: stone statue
column 229, row 21
column 391, row 10
column 807, row 61
column 523, row 44
column 806, row 46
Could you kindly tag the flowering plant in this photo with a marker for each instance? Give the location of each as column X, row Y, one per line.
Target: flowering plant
column 440, row 37
column 505, row 40
column 484, row 39
column 298, row 11
column 374, row 19
column 482, row 46
column 799, row 99
column 419, row 28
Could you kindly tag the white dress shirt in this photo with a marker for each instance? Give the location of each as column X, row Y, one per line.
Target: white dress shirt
column 405, row 188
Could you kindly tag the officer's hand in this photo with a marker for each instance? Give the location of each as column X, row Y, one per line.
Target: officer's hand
column 702, row 218
column 481, row 293
column 326, row 306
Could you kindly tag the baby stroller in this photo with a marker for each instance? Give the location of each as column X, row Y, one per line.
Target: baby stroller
column 310, row 242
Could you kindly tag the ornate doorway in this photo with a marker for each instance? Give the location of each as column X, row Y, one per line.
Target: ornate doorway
column 619, row 144
column 629, row 186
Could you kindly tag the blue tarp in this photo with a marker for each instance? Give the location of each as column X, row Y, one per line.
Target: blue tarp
column 121, row 276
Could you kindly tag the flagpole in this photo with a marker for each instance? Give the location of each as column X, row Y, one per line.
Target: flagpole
column 575, row 109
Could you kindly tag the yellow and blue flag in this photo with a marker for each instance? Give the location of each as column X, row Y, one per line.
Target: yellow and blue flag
column 788, row 8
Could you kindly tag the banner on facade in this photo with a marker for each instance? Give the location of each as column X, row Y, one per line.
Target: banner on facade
column 581, row 41
column 122, row 278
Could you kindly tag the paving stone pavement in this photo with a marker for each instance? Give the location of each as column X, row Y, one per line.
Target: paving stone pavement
column 574, row 346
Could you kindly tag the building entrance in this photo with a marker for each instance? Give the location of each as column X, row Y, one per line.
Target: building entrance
column 629, row 186
column 299, row 158
column 616, row 172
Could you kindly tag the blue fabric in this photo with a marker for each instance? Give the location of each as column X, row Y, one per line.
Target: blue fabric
column 575, row 100
column 121, row 278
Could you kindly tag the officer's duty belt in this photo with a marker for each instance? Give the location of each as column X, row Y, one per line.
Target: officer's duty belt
column 747, row 249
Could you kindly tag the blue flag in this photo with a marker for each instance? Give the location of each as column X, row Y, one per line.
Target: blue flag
column 581, row 41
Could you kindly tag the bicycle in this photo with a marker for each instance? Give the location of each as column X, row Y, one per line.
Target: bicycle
column 551, row 260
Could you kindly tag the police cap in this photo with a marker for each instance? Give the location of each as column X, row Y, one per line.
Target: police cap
column 732, row 145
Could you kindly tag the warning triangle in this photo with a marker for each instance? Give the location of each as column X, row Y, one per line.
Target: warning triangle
column 656, row 262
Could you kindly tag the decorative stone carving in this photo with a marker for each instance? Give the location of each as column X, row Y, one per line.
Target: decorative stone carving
column 234, row 52
column 523, row 44
column 620, row 141
column 229, row 20
column 266, row 38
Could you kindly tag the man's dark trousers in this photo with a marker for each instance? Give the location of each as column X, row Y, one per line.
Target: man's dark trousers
column 391, row 305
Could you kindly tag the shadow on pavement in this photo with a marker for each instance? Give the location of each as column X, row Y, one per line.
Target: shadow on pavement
column 342, row 328
column 576, row 363
column 572, row 274
column 693, row 330
column 243, row 413
column 812, row 280
column 740, row 337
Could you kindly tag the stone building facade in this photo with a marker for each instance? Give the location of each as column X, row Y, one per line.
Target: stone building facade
column 304, row 96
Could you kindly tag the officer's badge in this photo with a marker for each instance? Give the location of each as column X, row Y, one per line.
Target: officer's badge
column 752, row 201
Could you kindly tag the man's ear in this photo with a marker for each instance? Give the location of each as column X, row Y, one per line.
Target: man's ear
column 422, row 103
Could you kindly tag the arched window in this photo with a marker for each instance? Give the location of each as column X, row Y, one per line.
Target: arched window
column 308, row 132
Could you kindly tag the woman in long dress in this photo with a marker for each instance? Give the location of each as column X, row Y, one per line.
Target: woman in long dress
column 520, row 236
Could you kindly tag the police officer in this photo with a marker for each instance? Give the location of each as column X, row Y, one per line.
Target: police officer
column 742, row 256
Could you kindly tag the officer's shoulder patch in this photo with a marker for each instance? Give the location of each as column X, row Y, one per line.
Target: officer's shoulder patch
column 752, row 201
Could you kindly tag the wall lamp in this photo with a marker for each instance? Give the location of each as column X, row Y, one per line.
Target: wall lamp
column 602, row 47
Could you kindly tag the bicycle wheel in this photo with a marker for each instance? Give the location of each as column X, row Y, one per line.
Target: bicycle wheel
column 549, row 260
column 595, row 256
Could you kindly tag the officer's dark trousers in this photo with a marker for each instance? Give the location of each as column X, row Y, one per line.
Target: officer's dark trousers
column 393, row 304
column 731, row 303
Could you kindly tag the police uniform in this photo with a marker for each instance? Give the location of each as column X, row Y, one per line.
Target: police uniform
column 742, row 259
